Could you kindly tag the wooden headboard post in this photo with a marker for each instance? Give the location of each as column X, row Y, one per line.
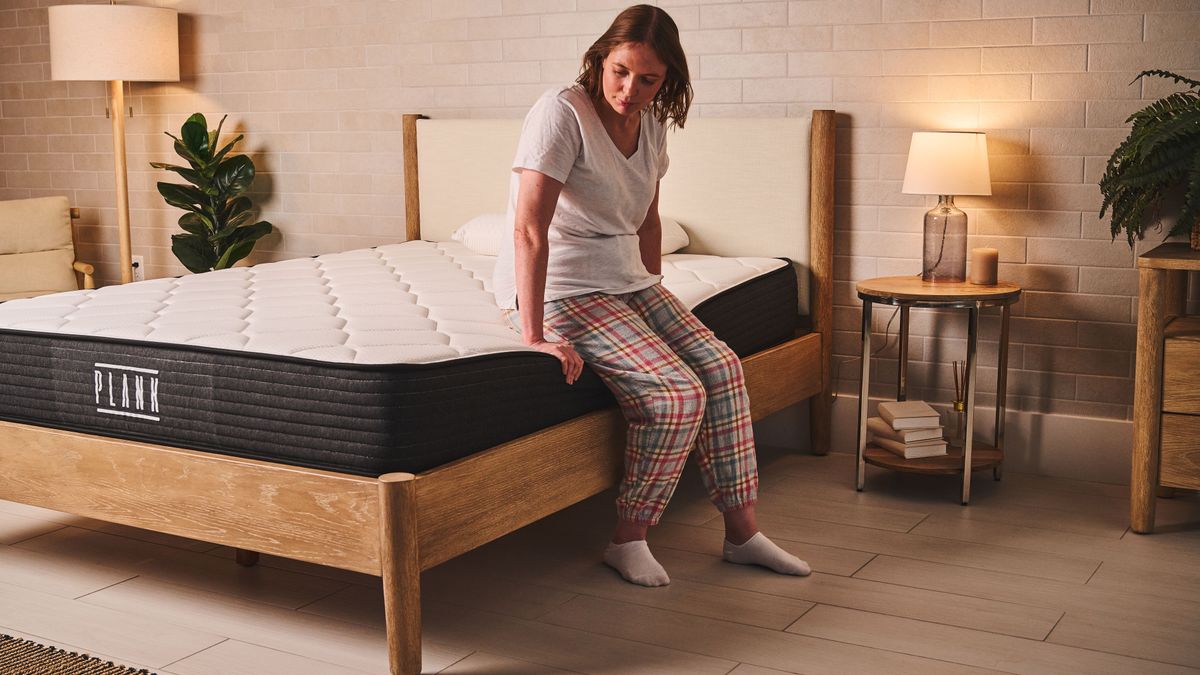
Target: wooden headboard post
column 820, row 262
column 412, row 192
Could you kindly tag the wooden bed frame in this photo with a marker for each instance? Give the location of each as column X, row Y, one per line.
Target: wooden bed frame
column 399, row 524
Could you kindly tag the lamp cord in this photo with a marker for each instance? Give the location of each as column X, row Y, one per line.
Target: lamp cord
column 837, row 364
column 941, row 249
column 941, row 244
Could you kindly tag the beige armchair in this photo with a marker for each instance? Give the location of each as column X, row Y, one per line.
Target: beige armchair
column 37, row 249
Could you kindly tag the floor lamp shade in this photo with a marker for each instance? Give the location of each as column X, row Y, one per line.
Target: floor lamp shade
column 946, row 163
column 115, row 44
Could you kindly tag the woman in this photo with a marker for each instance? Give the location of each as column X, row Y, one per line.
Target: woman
column 583, row 269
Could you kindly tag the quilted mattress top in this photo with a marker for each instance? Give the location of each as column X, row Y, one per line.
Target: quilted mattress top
column 416, row 302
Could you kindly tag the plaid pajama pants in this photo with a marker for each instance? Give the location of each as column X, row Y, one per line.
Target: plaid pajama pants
column 679, row 388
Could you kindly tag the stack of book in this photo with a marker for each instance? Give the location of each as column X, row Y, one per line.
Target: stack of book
column 911, row 429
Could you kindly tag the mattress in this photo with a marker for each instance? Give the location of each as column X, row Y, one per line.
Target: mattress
column 394, row 358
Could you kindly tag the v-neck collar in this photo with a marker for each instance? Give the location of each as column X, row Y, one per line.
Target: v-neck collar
column 611, row 141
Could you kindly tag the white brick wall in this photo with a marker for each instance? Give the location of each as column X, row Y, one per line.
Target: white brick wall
column 318, row 88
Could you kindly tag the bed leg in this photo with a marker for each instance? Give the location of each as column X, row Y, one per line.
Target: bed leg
column 820, row 418
column 245, row 558
column 401, row 571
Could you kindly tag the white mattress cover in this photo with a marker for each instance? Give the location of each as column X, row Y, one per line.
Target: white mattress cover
column 416, row 302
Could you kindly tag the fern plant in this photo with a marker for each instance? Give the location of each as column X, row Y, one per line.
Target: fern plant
column 216, row 226
column 1160, row 157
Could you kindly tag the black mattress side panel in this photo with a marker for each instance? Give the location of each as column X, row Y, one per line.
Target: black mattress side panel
column 759, row 314
column 317, row 415
column 365, row 420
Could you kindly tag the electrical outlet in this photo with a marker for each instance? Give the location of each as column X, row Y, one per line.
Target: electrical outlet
column 139, row 268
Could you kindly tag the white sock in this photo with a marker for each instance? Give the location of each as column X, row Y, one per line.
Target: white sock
column 758, row 550
column 635, row 562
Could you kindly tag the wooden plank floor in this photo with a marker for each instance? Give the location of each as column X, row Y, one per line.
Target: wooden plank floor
column 1038, row 575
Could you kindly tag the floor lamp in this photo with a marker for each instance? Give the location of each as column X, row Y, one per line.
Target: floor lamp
column 115, row 44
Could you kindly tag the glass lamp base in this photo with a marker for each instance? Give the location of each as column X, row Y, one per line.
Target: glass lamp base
column 945, row 243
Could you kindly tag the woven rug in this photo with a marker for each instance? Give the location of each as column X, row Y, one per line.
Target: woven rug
column 22, row 657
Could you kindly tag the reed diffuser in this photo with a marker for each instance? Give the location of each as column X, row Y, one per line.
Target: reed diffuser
column 957, row 431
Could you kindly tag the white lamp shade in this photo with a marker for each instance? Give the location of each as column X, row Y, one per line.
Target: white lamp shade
column 947, row 163
column 114, row 42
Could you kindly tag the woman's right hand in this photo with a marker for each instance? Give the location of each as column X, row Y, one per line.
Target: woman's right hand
column 572, row 364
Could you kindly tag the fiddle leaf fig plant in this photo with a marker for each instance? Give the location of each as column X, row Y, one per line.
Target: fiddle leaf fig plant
column 1159, row 159
column 217, row 229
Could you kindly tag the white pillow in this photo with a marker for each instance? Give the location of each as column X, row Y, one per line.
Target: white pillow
column 674, row 236
column 483, row 234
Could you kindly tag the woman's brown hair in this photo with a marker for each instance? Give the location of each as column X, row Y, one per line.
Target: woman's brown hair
column 653, row 27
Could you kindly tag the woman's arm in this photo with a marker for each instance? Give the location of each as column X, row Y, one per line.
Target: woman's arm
column 650, row 237
column 537, row 197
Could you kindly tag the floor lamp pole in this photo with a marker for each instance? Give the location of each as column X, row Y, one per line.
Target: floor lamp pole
column 116, row 94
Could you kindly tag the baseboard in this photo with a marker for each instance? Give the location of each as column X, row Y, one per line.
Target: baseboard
column 1063, row 446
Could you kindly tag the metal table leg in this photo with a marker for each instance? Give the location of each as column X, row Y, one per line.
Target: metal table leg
column 968, row 441
column 1001, row 389
column 864, row 393
column 902, row 378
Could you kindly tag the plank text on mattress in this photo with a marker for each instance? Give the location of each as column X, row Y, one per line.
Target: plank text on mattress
column 126, row 391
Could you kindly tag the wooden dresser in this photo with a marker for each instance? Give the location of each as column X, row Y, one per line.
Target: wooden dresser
column 1166, row 397
column 1179, row 463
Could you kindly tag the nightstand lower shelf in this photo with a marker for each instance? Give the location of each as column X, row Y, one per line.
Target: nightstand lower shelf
column 983, row 456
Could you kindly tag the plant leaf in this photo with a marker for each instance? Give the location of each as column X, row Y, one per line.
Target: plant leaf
column 1166, row 74
column 214, row 135
column 196, row 223
column 238, row 220
column 225, row 150
column 190, row 175
column 195, row 137
column 234, row 175
column 250, row 232
column 183, row 151
column 1168, row 106
column 1189, row 213
column 234, row 207
column 1167, row 131
column 234, row 253
column 182, row 196
column 194, row 252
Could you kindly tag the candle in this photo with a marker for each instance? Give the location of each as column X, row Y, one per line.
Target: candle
column 983, row 266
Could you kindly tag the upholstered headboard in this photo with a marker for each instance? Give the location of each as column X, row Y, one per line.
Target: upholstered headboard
column 740, row 187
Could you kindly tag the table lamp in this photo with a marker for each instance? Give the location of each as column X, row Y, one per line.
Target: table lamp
column 116, row 44
column 946, row 163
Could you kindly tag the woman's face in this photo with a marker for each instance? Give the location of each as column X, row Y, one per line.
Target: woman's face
column 633, row 74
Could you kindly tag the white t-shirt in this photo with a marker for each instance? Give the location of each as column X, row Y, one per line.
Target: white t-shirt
column 593, row 234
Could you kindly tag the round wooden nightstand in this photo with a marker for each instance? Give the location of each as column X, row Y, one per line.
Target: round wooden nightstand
column 906, row 293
